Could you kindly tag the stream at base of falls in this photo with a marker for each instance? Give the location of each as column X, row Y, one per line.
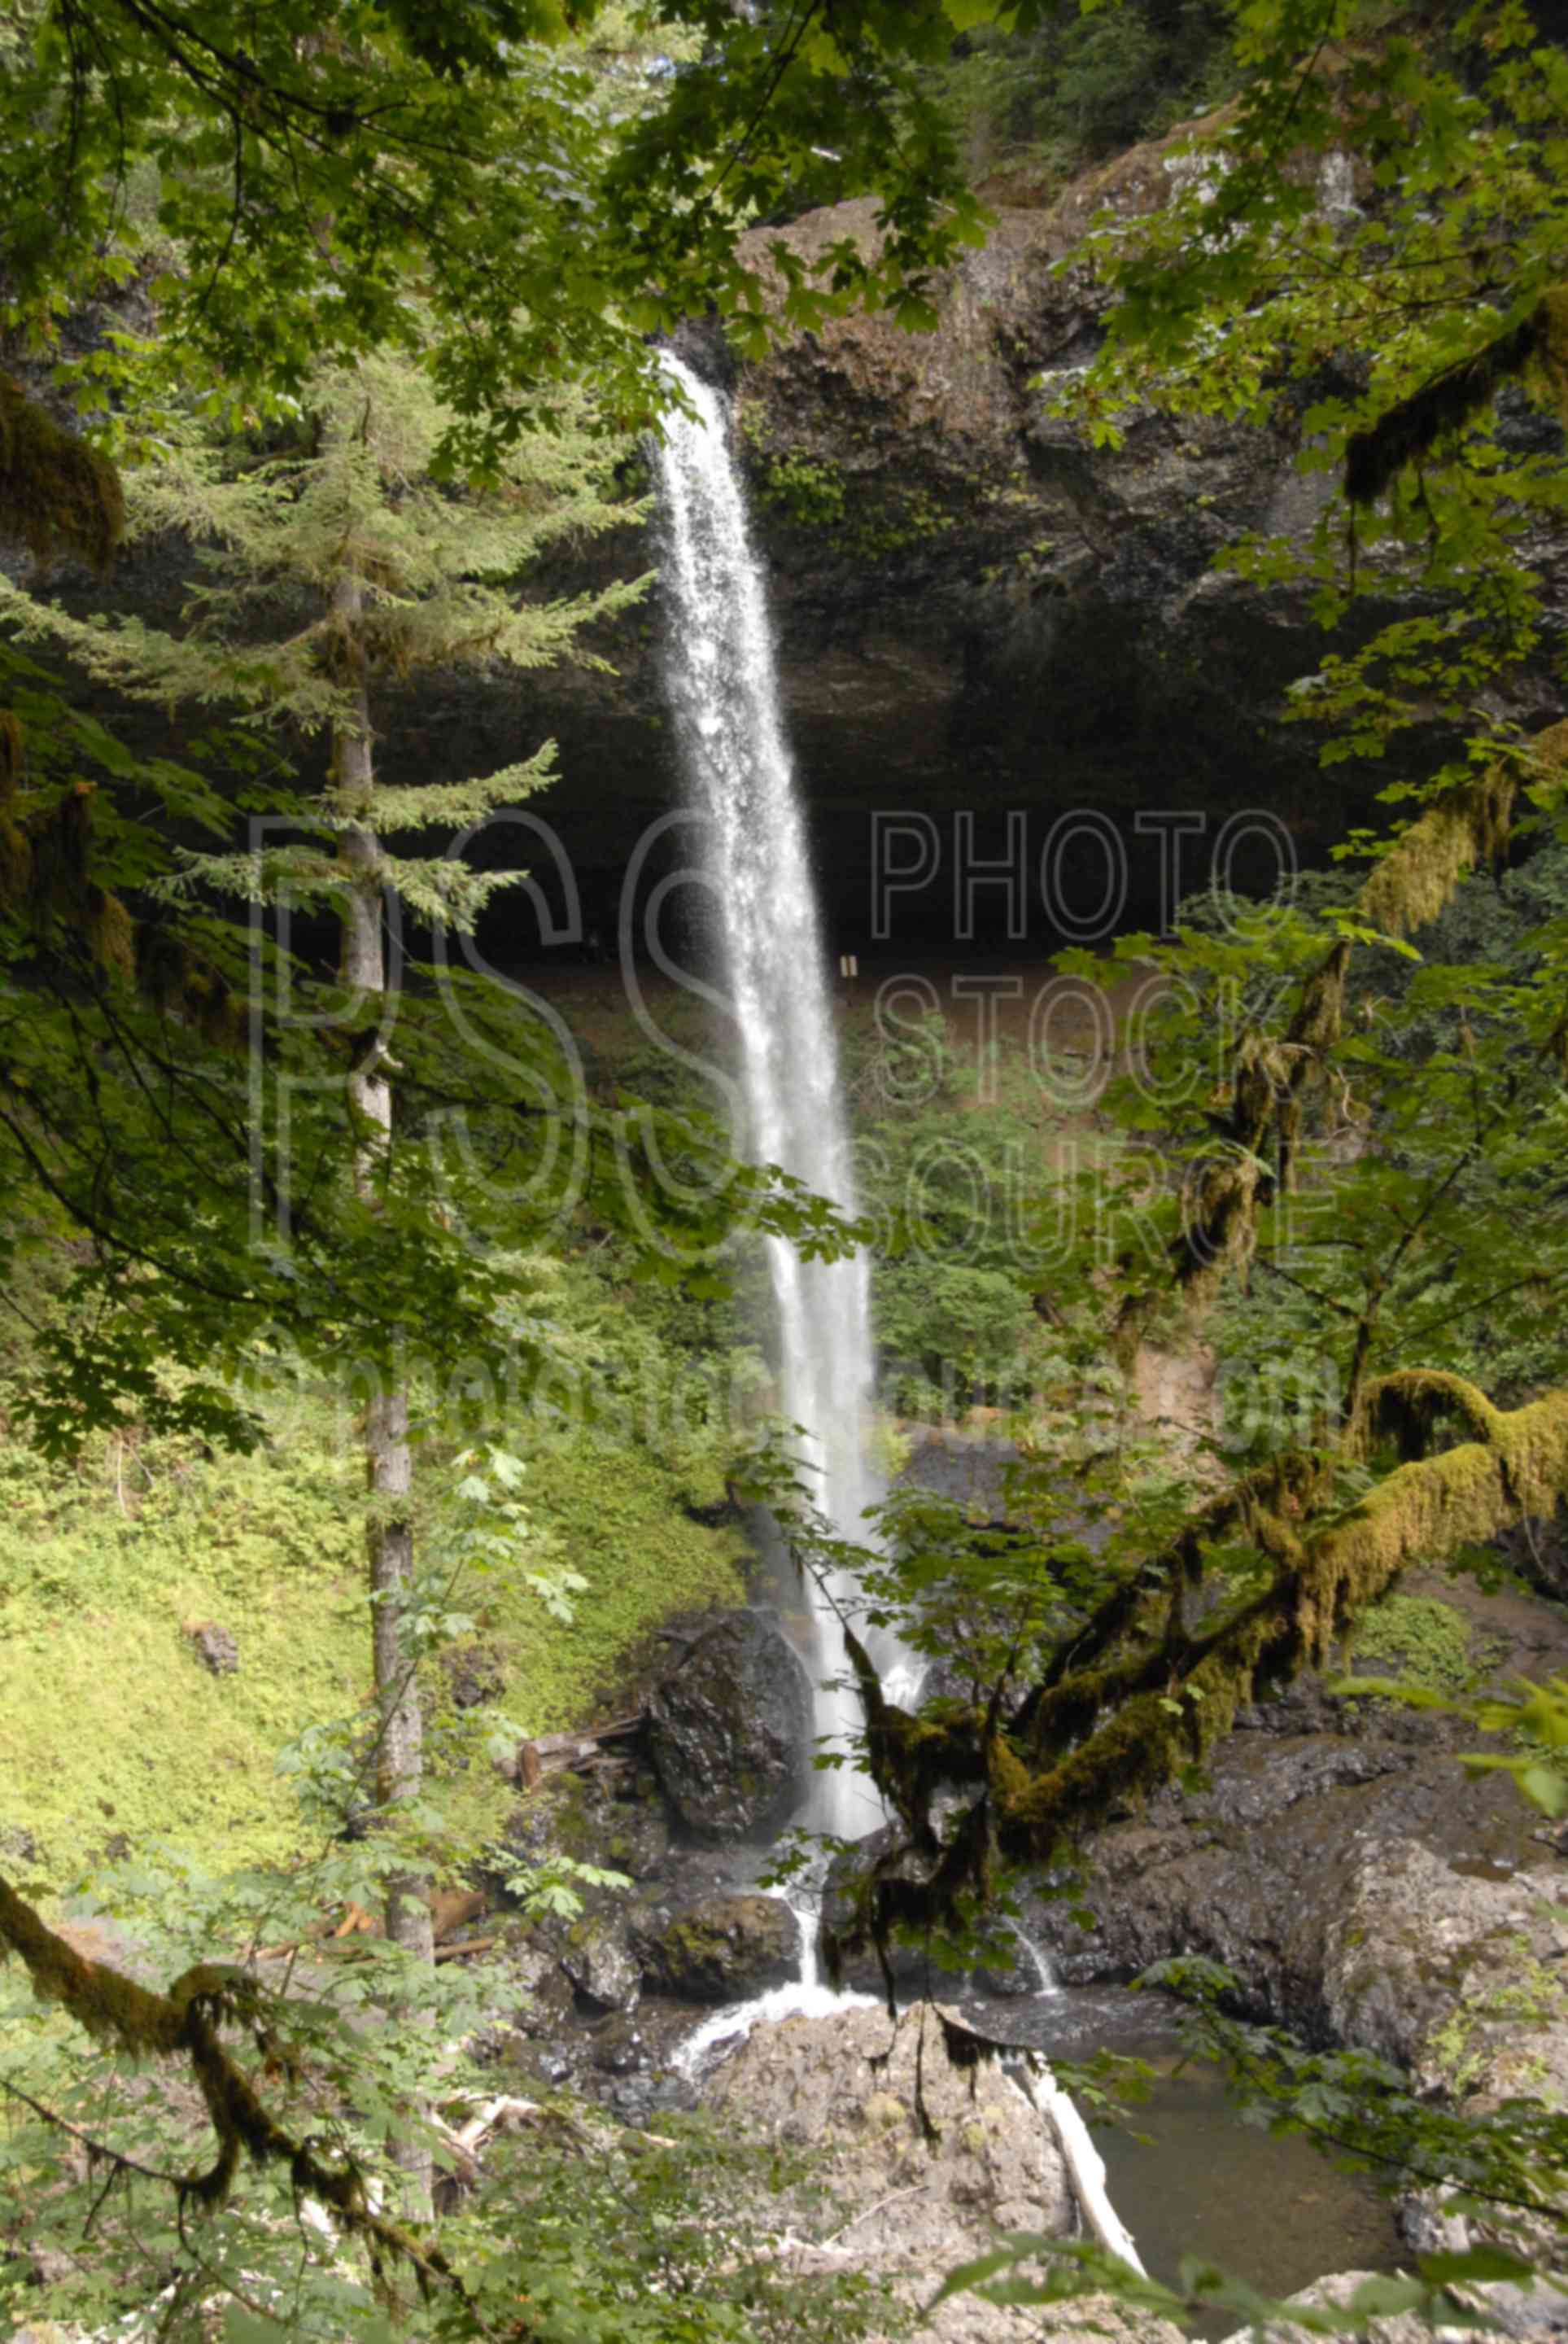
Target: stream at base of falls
column 1185, row 2174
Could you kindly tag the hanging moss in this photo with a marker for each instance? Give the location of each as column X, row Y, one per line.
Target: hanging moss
column 184, row 2024
column 1374, row 457
column 111, row 935
column 1413, row 882
column 55, row 491
column 180, row 983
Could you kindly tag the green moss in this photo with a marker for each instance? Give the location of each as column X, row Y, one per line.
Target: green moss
column 1527, row 1994
column 1421, row 1638
column 54, row 490
column 110, row 1726
column 108, row 1722
column 863, row 518
column 617, row 1513
column 809, row 490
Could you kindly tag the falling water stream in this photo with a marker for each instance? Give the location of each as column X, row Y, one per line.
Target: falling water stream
column 722, row 682
column 722, row 678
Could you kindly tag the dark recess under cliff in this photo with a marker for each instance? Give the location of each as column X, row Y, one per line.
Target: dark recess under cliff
column 985, row 627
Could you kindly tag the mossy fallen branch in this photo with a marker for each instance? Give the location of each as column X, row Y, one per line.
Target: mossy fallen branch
column 184, row 2024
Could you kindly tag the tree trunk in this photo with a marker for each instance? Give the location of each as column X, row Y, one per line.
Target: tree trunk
column 388, row 1465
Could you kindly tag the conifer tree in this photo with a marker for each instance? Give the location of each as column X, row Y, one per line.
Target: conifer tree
column 329, row 569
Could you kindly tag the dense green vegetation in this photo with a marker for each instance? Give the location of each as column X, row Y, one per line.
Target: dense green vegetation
column 109, row 1565
column 359, row 301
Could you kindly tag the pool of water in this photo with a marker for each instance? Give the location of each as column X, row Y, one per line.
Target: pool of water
column 1188, row 2177
column 1273, row 2212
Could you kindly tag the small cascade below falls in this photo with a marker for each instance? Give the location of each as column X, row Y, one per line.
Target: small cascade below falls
column 1033, row 1960
column 722, row 678
column 806, row 1996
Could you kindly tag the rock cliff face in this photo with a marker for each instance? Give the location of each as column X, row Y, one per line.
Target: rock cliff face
column 976, row 611
column 979, row 613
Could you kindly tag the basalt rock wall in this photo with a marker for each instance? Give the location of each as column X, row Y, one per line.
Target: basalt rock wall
column 981, row 616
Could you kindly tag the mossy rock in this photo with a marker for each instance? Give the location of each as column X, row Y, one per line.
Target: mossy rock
column 725, row 1949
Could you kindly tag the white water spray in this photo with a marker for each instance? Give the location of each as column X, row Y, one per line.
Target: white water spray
column 722, row 678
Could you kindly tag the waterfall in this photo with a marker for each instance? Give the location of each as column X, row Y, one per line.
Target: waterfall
column 722, row 683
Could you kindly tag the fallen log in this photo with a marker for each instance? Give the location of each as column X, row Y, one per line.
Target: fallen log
column 556, row 1753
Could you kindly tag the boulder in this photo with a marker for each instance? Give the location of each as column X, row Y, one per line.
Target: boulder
column 1003, row 1965
column 730, row 1728
column 726, row 1949
column 215, row 1648
column 595, row 1952
column 474, row 1675
column 908, row 2203
column 1455, row 1973
column 583, row 1820
column 862, row 1971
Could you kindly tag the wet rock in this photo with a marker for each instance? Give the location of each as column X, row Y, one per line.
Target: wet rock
column 910, row 1961
column 1454, row 1973
column 1008, row 1964
column 1250, row 1871
column 635, row 1832
column 534, row 1969
column 906, row 2206
column 726, row 1949
column 619, row 2049
column 595, row 1951
column 729, row 1728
